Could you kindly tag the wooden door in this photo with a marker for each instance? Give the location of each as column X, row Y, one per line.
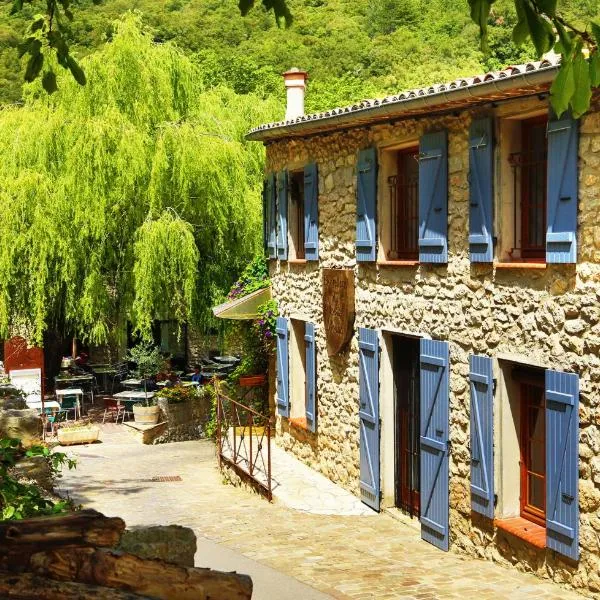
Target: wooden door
column 406, row 384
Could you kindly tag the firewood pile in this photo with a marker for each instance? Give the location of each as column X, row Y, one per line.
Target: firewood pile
column 74, row 557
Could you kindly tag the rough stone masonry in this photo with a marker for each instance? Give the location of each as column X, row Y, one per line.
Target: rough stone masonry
column 550, row 315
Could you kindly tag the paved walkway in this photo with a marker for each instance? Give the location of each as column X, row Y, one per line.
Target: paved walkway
column 359, row 557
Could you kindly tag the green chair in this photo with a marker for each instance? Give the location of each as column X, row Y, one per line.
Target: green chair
column 68, row 404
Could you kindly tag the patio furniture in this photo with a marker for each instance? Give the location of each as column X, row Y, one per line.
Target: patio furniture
column 131, row 397
column 29, row 381
column 113, row 409
column 132, row 383
column 69, row 401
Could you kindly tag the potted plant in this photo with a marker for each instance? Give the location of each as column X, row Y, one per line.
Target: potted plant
column 149, row 362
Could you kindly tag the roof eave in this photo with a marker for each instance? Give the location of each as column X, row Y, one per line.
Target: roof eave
column 528, row 80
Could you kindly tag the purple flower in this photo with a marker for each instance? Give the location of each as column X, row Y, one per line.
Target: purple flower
column 268, row 334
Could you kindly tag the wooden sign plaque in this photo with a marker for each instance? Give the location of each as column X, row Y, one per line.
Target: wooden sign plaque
column 338, row 308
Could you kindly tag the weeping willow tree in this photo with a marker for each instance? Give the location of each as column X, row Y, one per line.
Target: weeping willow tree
column 132, row 198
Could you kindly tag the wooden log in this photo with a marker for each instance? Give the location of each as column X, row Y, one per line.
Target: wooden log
column 154, row 578
column 20, row 539
column 27, row 586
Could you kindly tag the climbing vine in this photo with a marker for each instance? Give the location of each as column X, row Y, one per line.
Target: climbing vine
column 130, row 197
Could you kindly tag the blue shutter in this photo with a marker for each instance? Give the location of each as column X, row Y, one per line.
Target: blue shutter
column 433, row 198
column 311, row 376
column 482, row 435
column 283, row 375
column 434, row 442
column 368, row 413
column 282, row 206
column 561, row 233
column 311, row 212
column 265, row 214
column 562, row 463
column 271, row 216
column 481, row 152
column 366, row 206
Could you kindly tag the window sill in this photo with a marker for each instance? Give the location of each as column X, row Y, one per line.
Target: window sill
column 398, row 263
column 520, row 265
column 296, row 261
column 523, row 529
column 299, row 423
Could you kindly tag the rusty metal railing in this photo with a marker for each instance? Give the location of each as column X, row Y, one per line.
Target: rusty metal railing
column 244, row 442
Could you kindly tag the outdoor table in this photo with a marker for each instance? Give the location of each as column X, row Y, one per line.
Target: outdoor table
column 71, row 392
column 53, row 404
column 105, row 373
column 226, row 359
column 131, row 383
column 134, row 396
column 74, row 379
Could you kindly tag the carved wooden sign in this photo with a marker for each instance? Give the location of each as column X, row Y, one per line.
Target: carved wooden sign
column 338, row 307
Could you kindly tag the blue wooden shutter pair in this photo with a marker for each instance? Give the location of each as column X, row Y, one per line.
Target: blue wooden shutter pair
column 562, row 468
column 433, row 198
column 368, row 413
column 481, row 154
column 283, row 374
column 366, row 206
column 435, row 399
column 282, row 206
column 561, row 232
column 482, row 435
column 311, row 376
column 271, row 216
column 311, row 212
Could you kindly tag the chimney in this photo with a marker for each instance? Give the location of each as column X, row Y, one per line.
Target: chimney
column 295, row 84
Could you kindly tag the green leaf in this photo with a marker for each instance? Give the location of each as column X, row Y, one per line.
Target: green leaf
column 540, row 29
column 8, row 512
column 580, row 102
column 596, row 31
column 34, row 66
column 76, row 70
column 520, row 33
column 548, row 6
column 563, row 88
column 16, row 6
column 595, row 69
column 480, row 12
column 564, row 37
column 49, row 82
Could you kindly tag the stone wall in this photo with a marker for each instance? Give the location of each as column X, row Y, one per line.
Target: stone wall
column 551, row 316
column 185, row 420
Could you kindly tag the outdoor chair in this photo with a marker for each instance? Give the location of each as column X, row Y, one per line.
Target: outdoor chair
column 49, row 422
column 113, row 409
column 68, row 404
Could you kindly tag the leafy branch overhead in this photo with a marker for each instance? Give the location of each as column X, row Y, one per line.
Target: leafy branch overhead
column 542, row 22
column 45, row 44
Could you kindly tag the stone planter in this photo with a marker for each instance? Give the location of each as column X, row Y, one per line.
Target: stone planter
column 147, row 415
column 78, row 435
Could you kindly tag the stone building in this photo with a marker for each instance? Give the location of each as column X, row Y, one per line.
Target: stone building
column 436, row 260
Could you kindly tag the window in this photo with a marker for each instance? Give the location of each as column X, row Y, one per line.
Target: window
column 533, row 450
column 524, row 158
column 296, row 215
column 400, row 209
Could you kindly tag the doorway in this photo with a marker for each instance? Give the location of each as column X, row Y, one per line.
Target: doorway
column 405, row 366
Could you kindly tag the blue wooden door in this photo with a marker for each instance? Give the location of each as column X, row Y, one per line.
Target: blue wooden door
column 311, row 377
column 482, row 435
column 562, row 463
column 434, row 442
column 368, row 413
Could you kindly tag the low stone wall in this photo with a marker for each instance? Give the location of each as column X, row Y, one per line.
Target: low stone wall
column 186, row 420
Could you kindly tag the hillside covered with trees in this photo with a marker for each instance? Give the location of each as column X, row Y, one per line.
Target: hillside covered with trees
column 351, row 48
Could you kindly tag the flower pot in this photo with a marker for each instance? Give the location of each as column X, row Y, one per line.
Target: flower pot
column 252, row 380
column 68, row 436
column 145, row 415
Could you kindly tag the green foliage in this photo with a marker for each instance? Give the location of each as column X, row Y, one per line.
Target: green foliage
column 546, row 26
column 147, row 358
column 178, row 394
column 25, row 500
column 127, row 197
column 352, row 49
column 254, row 277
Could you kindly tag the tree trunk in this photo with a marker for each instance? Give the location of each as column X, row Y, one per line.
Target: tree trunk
column 154, row 578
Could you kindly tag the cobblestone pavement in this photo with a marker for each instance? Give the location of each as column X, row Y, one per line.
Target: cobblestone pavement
column 359, row 557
